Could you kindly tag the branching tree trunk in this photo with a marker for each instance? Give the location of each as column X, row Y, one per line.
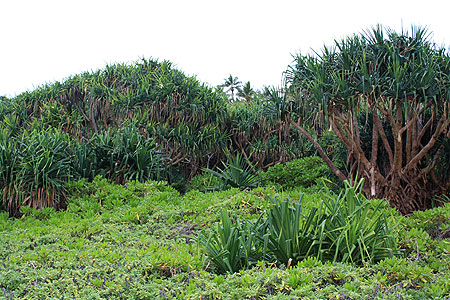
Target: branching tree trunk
column 400, row 84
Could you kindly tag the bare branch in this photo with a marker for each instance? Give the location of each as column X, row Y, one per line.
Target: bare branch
column 319, row 149
column 377, row 123
column 439, row 129
column 427, row 125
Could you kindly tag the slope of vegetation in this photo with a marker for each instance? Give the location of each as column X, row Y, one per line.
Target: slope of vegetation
column 141, row 121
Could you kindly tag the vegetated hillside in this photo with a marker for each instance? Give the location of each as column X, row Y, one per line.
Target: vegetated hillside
column 190, row 121
column 141, row 121
column 159, row 101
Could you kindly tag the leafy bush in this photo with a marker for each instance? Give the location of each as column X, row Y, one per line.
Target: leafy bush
column 119, row 155
column 137, row 157
column 299, row 172
column 203, row 182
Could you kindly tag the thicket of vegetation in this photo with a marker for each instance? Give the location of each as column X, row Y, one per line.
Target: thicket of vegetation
column 137, row 181
column 143, row 121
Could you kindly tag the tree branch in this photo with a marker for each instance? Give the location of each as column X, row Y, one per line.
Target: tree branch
column 319, row 149
column 439, row 129
column 427, row 125
column 373, row 159
column 388, row 148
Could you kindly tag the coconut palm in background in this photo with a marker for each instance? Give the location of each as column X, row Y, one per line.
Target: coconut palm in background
column 386, row 97
column 141, row 121
column 246, row 91
column 232, row 85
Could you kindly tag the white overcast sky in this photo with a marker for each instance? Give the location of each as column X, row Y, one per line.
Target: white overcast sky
column 44, row 41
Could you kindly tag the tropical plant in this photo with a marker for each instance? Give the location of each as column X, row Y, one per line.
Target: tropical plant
column 290, row 236
column 84, row 160
column 204, row 182
column 298, row 172
column 346, row 227
column 184, row 117
column 231, row 247
column 356, row 230
column 192, row 124
column 9, row 168
column 119, row 155
column 137, row 157
column 236, row 173
column 399, row 83
column 246, row 92
column 232, row 84
column 35, row 167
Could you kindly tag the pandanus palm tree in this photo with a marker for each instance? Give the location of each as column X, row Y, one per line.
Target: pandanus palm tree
column 392, row 88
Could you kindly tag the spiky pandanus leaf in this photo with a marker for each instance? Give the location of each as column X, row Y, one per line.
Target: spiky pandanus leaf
column 400, row 81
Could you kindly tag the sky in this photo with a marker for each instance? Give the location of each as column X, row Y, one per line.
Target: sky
column 46, row 41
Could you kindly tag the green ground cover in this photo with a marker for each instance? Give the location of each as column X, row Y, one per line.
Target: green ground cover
column 138, row 242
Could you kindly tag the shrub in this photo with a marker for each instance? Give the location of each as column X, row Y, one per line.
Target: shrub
column 345, row 228
column 236, row 173
column 356, row 230
column 232, row 247
column 204, row 182
column 120, row 156
column 9, row 166
column 299, row 172
column 290, row 236
column 37, row 170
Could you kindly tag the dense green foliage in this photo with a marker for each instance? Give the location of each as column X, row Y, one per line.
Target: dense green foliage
column 138, row 182
column 204, row 182
column 232, row 247
column 236, row 173
column 36, row 165
column 356, row 229
column 136, row 241
column 141, row 121
column 298, row 172
column 35, row 168
column 345, row 227
column 120, row 155
column 385, row 95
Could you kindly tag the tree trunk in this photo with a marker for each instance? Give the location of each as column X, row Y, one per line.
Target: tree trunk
column 319, row 149
column 405, row 179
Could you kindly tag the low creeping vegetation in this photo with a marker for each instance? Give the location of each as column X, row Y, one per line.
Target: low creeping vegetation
column 138, row 242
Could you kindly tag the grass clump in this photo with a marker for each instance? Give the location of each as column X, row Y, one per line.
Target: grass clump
column 236, row 173
column 346, row 228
